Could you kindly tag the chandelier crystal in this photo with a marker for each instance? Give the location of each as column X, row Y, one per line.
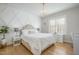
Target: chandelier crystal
column 44, row 10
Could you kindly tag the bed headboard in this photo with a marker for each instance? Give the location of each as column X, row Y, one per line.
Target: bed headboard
column 29, row 29
column 28, row 26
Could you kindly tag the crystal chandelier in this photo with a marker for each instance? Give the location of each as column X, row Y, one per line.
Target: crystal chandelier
column 44, row 10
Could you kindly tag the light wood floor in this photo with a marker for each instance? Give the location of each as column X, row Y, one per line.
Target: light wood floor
column 57, row 49
column 15, row 50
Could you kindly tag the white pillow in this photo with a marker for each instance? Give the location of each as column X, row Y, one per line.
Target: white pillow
column 29, row 31
column 32, row 31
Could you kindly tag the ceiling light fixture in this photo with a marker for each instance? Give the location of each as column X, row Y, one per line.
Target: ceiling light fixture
column 44, row 10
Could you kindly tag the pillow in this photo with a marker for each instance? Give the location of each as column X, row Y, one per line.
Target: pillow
column 32, row 31
column 24, row 32
column 29, row 31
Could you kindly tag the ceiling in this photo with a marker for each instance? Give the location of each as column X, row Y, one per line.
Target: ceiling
column 36, row 8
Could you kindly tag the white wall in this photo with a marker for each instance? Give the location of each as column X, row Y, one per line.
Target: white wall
column 14, row 16
column 72, row 20
column 17, row 17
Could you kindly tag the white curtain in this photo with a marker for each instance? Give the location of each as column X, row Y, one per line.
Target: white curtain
column 57, row 26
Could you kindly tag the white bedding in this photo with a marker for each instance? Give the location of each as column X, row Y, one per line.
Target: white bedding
column 38, row 41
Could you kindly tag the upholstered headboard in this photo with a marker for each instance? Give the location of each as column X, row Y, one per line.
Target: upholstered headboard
column 28, row 26
column 29, row 29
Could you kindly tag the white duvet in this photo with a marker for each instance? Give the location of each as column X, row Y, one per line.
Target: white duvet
column 39, row 41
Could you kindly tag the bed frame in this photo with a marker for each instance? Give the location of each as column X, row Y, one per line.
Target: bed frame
column 26, row 45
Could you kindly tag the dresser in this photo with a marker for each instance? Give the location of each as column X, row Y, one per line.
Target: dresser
column 75, row 38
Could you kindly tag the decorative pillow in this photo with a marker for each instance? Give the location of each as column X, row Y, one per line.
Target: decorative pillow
column 32, row 31
column 29, row 31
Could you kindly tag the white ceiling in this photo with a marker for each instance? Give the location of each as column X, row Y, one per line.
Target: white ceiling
column 36, row 8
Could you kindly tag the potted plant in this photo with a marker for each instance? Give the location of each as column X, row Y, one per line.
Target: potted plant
column 3, row 31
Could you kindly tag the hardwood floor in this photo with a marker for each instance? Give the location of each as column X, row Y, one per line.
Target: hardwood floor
column 15, row 50
column 57, row 49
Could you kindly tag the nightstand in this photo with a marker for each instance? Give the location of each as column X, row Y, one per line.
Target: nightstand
column 16, row 41
column 59, row 38
column 3, row 43
column 16, row 37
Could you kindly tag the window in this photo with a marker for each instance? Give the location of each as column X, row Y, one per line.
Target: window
column 57, row 26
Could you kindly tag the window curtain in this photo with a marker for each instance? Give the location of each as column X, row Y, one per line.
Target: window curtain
column 57, row 26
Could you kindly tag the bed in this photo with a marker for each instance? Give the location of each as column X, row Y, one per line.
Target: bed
column 34, row 41
column 37, row 42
